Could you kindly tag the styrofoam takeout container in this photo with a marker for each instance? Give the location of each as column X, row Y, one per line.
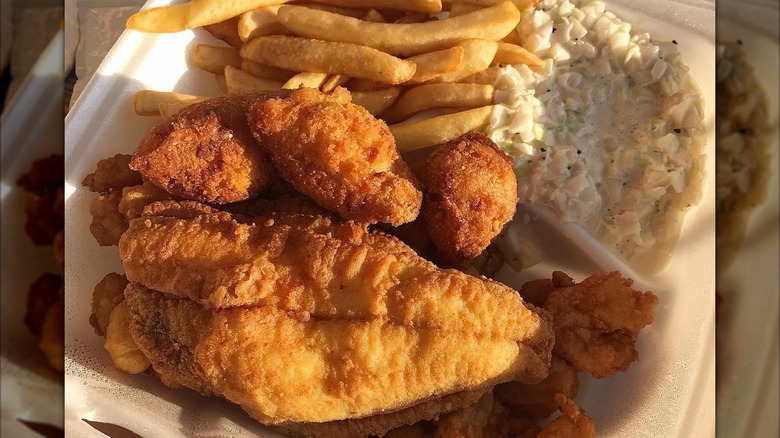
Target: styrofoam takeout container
column 670, row 392
column 30, row 128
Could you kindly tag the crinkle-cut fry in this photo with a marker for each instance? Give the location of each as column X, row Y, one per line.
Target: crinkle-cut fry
column 196, row 13
column 435, row 64
column 334, row 81
column 446, row 95
column 266, row 71
column 374, row 16
column 477, row 56
column 376, row 101
column 486, row 77
column 147, row 102
column 458, row 9
column 214, row 59
column 493, row 23
column 306, row 80
column 521, row 4
column 309, row 55
column 120, row 344
column 514, row 54
column 441, row 129
column 238, row 80
column 221, row 82
column 430, row 6
column 260, row 21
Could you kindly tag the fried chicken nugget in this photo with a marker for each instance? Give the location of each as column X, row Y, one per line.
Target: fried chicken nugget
column 538, row 400
column 487, row 418
column 572, row 424
column 471, row 193
column 112, row 174
column 337, row 153
column 44, row 292
column 206, row 152
column 108, row 223
column 108, row 293
column 597, row 322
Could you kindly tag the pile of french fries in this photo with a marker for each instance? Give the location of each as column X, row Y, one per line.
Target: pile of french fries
column 398, row 58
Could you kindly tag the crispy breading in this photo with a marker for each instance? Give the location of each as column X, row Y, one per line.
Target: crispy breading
column 375, row 318
column 206, row 152
column 538, row 400
column 386, row 424
column 337, row 153
column 112, row 174
column 108, row 223
column 572, row 424
column 487, row 418
column 283, row 366
column 470, row 194
column 120, row 344
column 318, row 266
column 597, row 322
column 135, row 198
column 108, row 293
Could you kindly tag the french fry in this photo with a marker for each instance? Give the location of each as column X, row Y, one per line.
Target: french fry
column 357, row 12
column 376, row 101
column 196, row 13
column 521, row 4
column 423, row 97
column 513, row 38
column 147, row 102
column 226, row 31
column 301, row 54
column 414, row 17
column 260, row 21
column 458, row 9
column 365, row 85
column 306, row 80
column 374, row 16
column 513, row 54
column 221, row 82
column 334, row 81
column 434, row 64
column 493, row 23
column 266, row 71
column 487, row 76
column 431, row 6
column 441, row 129
column 237, row 80
column 477, row 56
column 214, row 59
column 166, row 110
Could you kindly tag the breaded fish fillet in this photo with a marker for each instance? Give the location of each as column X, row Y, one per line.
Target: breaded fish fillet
column 298, row 319
column 337, row 153
column 206, row 152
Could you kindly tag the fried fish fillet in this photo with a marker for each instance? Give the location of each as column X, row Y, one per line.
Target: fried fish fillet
column 299, row 319
column 206, row 152
column 337, row 153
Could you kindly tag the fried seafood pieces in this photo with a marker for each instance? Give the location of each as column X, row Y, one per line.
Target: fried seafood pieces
column 337, row 153
column 302, row 319
column 206, row 152
column 471, row 193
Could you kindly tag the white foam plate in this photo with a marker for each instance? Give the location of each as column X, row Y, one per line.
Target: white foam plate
column 749, row 318
column 670, row 392
column 30, row 128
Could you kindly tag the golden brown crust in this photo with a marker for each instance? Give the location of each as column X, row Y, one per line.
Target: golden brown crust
column 337, row 153
column 471, row 193
column 112, row 174
column 205, row 152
